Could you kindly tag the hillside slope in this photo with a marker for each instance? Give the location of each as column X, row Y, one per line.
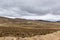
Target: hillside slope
column 8, row 22
column 26, row 28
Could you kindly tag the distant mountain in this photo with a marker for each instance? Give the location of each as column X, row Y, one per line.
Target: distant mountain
column 18, row 22
column 44, row 20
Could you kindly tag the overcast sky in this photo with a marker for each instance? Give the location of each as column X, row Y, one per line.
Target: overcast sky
column 31, row 9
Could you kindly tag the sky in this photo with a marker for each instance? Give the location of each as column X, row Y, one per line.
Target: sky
column 31, row 9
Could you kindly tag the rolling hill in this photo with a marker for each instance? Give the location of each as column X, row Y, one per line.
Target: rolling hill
column 26, row 28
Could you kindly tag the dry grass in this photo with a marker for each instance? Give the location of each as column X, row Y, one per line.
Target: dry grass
column 24, row 32
column 26, row 28
column 51, row 36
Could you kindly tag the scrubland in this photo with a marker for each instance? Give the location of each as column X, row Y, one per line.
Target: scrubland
column 51, row 36
column 22, row 29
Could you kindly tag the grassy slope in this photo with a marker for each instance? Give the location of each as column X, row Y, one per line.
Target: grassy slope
column 22, row 27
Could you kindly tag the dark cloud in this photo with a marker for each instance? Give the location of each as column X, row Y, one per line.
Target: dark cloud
column 25, row 7
column 18, row 8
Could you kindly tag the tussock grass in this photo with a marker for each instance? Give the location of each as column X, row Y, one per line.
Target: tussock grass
column 24, row 32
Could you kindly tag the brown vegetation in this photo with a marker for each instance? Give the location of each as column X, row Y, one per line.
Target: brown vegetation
column 26, row 28
column 23, row 32
column 51, row 36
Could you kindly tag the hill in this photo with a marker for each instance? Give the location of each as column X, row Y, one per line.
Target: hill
column 17, row 22
column 26, row 28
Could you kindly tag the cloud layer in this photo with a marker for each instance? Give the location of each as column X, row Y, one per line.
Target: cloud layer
column 35, row 9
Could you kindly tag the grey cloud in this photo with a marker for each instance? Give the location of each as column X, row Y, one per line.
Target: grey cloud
column 28, row 7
